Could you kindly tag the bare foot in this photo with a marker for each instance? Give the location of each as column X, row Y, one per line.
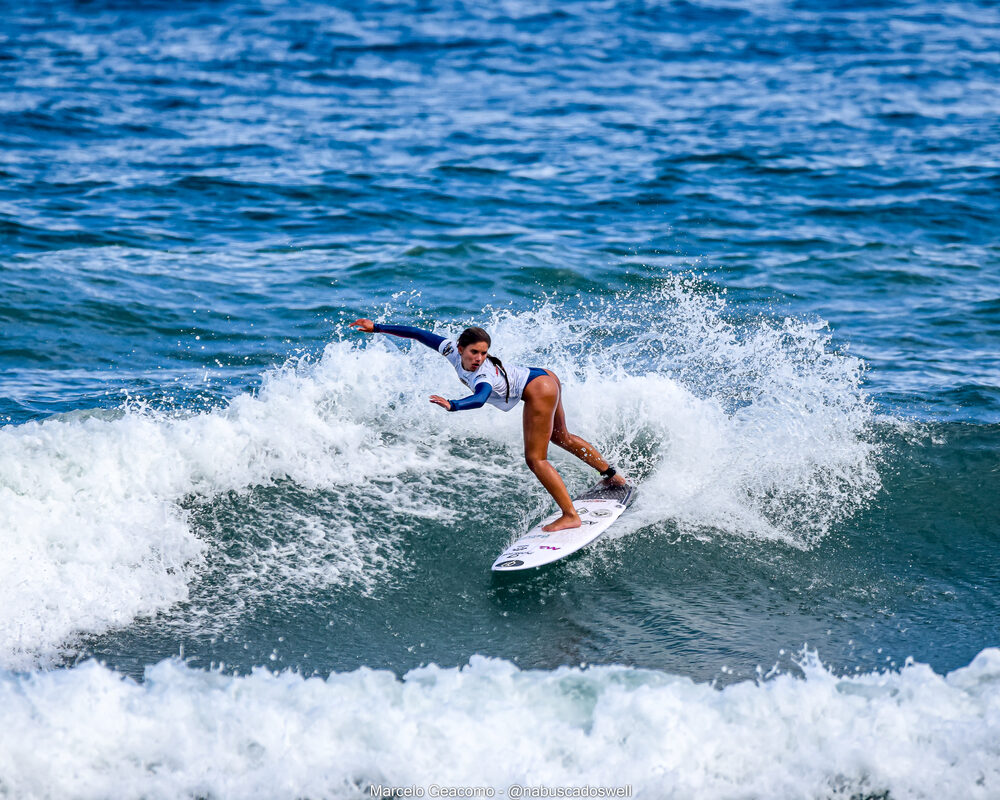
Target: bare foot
column 564, row 522
column 616, row 480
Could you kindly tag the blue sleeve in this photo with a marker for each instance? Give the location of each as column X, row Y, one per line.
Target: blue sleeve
column 476, row 400
column 432, row 340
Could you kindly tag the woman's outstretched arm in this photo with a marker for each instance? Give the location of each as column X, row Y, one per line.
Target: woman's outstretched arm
column 432, row 340
column 475, row 400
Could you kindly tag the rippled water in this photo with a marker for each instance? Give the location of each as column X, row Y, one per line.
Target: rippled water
column 757, row 241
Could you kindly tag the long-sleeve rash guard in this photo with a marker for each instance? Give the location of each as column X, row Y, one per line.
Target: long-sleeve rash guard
column 432, row 340
column 482, row 390
column 475, row 400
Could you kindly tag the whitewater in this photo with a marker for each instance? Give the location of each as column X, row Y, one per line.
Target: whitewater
column 89, row 732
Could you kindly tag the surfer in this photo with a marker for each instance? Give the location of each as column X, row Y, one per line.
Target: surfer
column 503, row 387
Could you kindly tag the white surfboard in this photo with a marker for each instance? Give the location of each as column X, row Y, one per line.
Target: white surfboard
column 598, row 508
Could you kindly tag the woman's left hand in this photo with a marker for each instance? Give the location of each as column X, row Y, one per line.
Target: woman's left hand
column 445, row 404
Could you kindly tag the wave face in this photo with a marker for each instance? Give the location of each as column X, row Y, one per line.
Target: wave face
column 189, row 733
column 752, row 430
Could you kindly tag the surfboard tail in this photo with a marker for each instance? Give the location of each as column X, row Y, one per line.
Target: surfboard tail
column 602, row 490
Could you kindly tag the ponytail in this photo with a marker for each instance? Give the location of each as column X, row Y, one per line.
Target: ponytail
column 496, row 362
column 473, row 335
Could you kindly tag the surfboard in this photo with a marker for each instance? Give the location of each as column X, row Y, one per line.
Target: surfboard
column 598, row 508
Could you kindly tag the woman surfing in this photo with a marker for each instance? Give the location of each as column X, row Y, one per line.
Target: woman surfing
column 490, row 382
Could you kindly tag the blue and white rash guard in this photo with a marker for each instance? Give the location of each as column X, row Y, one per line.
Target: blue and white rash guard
column 487, row 383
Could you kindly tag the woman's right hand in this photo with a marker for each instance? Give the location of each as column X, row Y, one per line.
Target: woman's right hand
column 363, row 325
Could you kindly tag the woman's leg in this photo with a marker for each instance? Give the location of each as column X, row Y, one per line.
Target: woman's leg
column 577, row 445
column 541, row 398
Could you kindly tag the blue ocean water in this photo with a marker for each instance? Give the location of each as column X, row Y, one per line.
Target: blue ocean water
column 758, row 242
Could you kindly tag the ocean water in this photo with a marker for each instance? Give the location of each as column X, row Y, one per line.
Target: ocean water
column 241, row 555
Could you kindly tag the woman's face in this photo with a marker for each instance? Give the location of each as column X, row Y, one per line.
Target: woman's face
column 473, row 355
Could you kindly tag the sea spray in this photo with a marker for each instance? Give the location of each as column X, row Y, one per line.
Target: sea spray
column 751, row 426
column 750, row 429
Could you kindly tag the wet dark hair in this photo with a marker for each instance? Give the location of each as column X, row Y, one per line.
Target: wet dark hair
column 474, row 336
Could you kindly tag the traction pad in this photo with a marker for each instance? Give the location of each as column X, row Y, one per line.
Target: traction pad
column 602, row 490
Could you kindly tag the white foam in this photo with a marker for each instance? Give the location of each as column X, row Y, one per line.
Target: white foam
column 758, row 429
column 87, row 732
column 94, row 533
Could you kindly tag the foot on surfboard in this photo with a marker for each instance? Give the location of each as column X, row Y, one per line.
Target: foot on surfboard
column 563, row 523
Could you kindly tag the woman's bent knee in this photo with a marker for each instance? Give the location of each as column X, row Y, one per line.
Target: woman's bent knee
column 534, row 463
